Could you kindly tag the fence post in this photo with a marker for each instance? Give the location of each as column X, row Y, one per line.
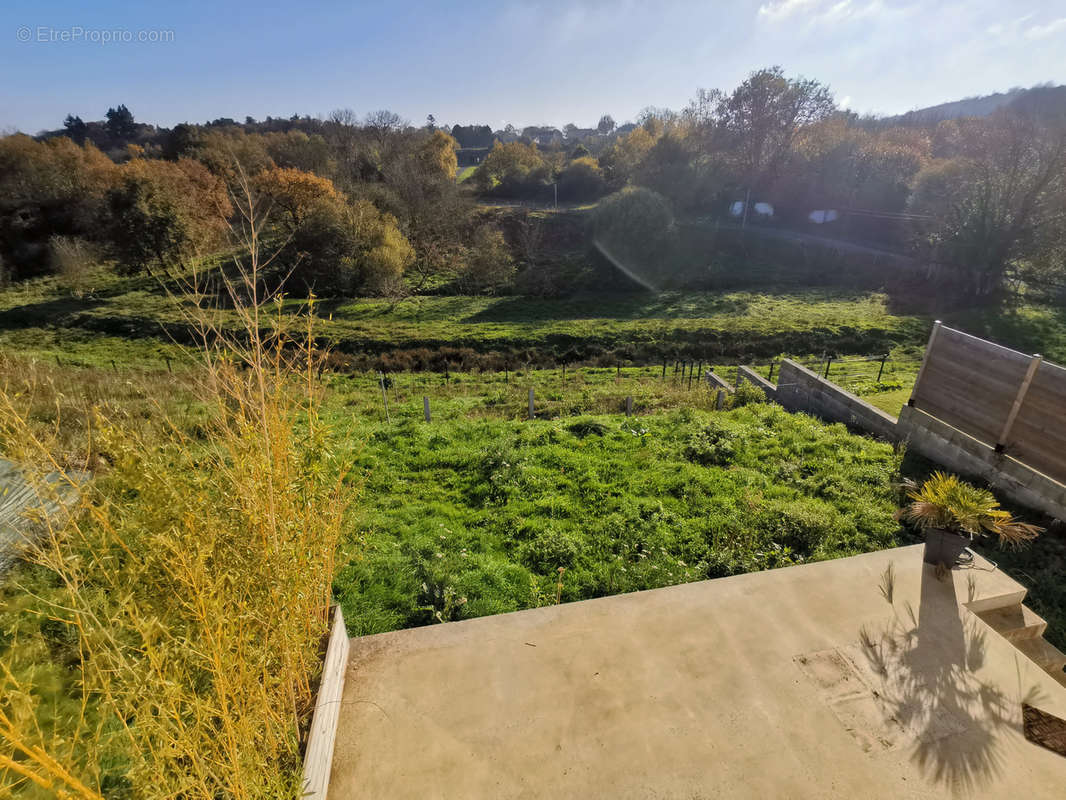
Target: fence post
column 1023, row 390
column 721, row 399
column 925, row 360
column 629, row 406
column 167, row 359
column 828, row 361
column 114, row 366
column 664, row 370
column 425, row 407
column 531, row 404
column 384, row 397
column 771, row 378
column 882, row 369
column 699, row 375
column 689, row 376
column 618, row 369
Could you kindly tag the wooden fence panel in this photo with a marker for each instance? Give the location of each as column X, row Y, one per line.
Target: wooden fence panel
column 970, row 384
column 973, row 385
column 1038, row 436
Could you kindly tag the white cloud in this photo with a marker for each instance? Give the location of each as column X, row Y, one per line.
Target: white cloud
column 1043, row 31
column 777, row 10
column 821, row 12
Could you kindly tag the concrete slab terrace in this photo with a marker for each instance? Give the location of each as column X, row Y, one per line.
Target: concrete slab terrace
column 862, row 677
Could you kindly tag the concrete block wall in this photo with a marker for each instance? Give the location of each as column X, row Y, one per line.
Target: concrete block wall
column 799, row 389
column 959, row 452
column 716, row 381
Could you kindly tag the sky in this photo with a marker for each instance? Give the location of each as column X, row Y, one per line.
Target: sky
column 548, row 62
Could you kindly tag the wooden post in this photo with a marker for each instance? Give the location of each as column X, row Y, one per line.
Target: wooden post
column 882, row 368
column 531, row 404
column 699, row 375
column 689, row 376
column 114, row 366
column 828, row 361
column 167, row 359
column 721, row 399
column 771, row 378
column 58, row 362
column 664, row 370
column 1023, row 390
column 925, row 360
column 425, row 408
column 629, row 406
column 384, row 397
column 618, row 369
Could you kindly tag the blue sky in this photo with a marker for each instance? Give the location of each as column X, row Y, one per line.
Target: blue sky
column 548, row 62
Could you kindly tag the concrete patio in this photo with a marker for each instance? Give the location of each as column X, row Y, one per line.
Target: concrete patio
column 862, row 677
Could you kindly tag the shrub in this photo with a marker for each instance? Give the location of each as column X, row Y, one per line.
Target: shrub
column 634, row 230
column 746, row 394
column 549, row 550
column 713, row 445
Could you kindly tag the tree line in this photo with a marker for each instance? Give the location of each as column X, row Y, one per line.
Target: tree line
column 371, row 204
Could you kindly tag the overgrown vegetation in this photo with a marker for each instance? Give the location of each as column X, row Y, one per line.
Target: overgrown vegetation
column 164, row 640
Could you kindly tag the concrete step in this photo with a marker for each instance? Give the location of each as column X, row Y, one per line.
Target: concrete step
column 1015, row 622
column 1049, row 657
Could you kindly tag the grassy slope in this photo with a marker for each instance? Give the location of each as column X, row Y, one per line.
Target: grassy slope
column 466, row 518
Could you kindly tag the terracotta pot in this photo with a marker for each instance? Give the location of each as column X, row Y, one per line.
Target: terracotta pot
column 944, row 547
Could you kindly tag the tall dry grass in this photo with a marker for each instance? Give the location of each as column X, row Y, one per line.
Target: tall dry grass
column 193, row 579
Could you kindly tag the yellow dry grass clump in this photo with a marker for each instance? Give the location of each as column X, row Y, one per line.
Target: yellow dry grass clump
column 193, row 578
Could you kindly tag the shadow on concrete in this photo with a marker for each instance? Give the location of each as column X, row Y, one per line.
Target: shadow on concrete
column 926, row 664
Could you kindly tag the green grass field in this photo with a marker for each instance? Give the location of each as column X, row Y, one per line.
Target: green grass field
column 554, row 485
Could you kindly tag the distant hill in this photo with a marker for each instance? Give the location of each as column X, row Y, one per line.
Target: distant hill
column 1038, row 98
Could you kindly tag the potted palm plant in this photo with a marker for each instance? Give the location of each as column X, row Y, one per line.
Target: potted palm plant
column 951, row 513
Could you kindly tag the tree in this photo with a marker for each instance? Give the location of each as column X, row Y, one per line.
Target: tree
column 166, row 212
column 295, row 192
column 431, row 122
column 512, row 169
column 120, row 124
column 761, row 118
column 998, row 203
column 48, row 188
column 382, row 125
column 76, row 128
column 436, row 157
column 582, row 180
column 489, row 264
column 606, row 124
column 341, row 248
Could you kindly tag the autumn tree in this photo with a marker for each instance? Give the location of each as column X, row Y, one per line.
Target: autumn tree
column 512, row 168
column 295, row 192
column 48, row 188
column 166, row 212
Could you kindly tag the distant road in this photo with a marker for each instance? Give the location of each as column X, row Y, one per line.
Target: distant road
column 822, row 241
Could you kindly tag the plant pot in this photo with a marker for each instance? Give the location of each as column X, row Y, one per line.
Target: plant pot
column 944, row 547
